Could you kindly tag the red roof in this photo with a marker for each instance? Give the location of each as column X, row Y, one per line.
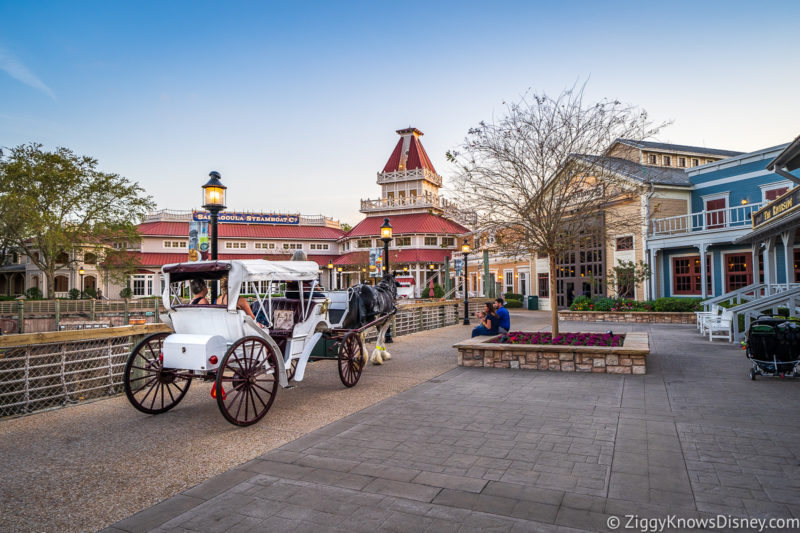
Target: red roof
column 412, row 255
column 417, row 156
column 402, row 224
column 244, row 231
column 158, row 260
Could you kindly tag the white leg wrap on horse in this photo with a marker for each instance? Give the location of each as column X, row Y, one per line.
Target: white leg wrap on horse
column 377, row 357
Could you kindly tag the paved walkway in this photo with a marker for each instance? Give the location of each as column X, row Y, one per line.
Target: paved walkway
column 509, row 450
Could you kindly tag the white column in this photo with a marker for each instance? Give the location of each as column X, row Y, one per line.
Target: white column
column 756, row 249
column 768, row 261
column 651, row 285
column 703, row 271
column 788, row 242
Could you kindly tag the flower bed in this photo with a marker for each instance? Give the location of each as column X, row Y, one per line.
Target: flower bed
column 565, row 339
column 629, row 358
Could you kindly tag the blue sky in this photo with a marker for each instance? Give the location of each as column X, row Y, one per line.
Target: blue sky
column 296, row 103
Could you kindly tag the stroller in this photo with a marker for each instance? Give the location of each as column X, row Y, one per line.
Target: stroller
column 773, row 346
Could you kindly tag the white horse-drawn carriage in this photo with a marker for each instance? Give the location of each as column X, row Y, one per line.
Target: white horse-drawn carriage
column 247, row 359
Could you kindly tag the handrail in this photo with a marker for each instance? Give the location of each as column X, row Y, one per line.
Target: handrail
column 786, row 298
column 739, row 216
column 729, row 296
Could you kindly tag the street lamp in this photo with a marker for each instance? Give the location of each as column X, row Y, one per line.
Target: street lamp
column 330, row 274
column 81, row 271
column 339, row 281
column 465, row 250
column 214, row 202
column 386, row 237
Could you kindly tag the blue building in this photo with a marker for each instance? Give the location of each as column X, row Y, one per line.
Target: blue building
column 710, row 241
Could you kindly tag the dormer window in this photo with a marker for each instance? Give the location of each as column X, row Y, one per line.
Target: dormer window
column 682, row 162
column 653, row 159
column 667, row 160
column 695, row 162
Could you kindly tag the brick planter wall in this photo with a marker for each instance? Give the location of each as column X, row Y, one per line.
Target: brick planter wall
column 630, row 358
column 608, row 316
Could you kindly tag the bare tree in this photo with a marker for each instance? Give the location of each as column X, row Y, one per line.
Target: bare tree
column 539, row 177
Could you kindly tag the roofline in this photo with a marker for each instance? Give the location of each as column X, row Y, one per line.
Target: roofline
column 758, row 155
column 633, row 143
column 791, row 151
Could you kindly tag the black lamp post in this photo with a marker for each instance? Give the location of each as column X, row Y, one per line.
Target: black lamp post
column 386, row 237
column 330, row 275
column 465, row 249
column 81, row 272
column 214, row 202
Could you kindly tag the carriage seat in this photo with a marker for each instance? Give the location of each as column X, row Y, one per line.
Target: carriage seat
column 280, row 304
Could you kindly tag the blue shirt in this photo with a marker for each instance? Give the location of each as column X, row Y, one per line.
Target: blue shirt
column 505, row 319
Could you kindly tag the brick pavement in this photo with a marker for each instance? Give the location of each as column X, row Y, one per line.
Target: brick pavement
column 502, row 450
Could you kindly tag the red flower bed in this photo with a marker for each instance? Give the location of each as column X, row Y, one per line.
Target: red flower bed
column 567, row 339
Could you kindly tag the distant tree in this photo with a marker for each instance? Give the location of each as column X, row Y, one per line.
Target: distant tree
column 59, row 203
column 346, row 227
column 539, row 177
column 623, row 278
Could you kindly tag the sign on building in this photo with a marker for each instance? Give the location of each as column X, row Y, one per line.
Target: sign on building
column 248, row 218
column 777, row 208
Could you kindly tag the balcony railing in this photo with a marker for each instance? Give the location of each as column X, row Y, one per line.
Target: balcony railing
column 718, row 219
column 409, row 175
column 403, row 203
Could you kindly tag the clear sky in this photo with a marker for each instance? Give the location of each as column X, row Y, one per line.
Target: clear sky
column 296, row 103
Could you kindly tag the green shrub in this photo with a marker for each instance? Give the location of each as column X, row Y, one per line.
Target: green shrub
column 34, row 293
column 677, row 305
column 126, row 293
column 89, row 292
column 438, row 291
column 74, row 294
column 580, row 303
column 601, row 303
column 511, row 303
column 7, row 298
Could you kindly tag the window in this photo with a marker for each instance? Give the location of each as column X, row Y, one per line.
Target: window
column 625, row 286
column 430, row 241
column 653, row 159
column 686, row 275
column 773, row 194
column 681, row 161
column 292, row 246
column 235, row 245
column 412, row 192
column 364, row 243
column 715, row 216
column 174, row 244
column 695, row 162
column 523, row 283
column 667, row 160
column 90, row 259
column 448, row 241
column 265, row 246
column 319, row 246
column 508, row 281
column 625, row 243
column 402, row 241
column 142, row 284
column 738, row 271
column 544, row 285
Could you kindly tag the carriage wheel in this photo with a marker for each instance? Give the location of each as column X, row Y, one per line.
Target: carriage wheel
column 247, row 381
column 149, row 387
column 351, row 360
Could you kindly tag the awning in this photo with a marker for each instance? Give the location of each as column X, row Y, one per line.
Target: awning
column 791, row 221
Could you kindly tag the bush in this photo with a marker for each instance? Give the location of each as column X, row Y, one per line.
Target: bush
column 74, row 294
column 438, row 291
column 513, row 296
column 601, row 303
column 677, row 305
column 34, row 293
column 126, row 293
column 581, row 303
column 89, row 292
column 511, row 303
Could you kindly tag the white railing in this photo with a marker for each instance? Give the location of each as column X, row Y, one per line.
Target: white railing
column 754, row 308
column 409, row 175
column 399, row 203
column 739, row 216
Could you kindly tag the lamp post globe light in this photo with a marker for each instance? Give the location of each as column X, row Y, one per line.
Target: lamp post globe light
column 465, row 250
column 214, row 202
column 330, row 274
column 339, row 280
column 386, row 237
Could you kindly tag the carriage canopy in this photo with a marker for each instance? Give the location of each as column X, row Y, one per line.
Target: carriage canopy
column 239, row 271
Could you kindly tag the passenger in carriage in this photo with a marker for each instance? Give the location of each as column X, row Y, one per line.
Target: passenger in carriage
column 223, row 298
column 199, row 291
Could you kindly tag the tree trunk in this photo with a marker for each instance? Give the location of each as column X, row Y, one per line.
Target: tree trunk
column 50, row 276
column 553, row 295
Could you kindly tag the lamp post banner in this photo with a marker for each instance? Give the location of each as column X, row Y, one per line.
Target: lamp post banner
column 248, row 218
